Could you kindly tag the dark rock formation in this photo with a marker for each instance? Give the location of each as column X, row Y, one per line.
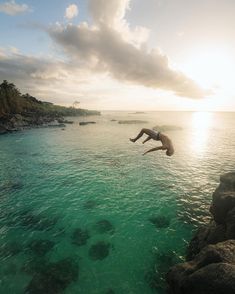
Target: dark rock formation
column 80, row 237
column 84, row 123
column 89, row 204
column 54, row 277
column 19, row 111
column 160, row 221
column 41, row 247
column 210, row 266
column 100, row 250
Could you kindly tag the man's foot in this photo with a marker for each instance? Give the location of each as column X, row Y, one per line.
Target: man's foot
column 132, row 140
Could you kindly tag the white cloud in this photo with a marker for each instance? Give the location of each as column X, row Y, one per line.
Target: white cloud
column 110, row 46
column 71, row 11
column 12, row 8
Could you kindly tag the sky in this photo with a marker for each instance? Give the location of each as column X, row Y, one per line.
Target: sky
column 121, row 54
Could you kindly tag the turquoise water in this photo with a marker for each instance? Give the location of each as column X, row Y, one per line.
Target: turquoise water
column 54, row 182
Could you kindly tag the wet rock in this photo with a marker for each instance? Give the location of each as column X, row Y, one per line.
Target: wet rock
column 99, row 251
column 160, row 221
column 41, row 247
column 80, row 237
column 222, row 203
column 211, row 271
column 104, row 226
column 55, row 278
column 222, row 227
column 210, row 268
column 210, row 234
column 84, row 123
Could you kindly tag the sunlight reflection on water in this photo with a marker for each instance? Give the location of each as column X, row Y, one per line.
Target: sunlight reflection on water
column 201, row 125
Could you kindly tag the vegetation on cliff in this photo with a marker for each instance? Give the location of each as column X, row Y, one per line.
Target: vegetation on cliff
column 13, row 102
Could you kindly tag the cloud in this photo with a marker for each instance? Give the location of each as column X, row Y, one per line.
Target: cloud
column 110, row 46
column 110, row 13
column 12, row 8
column 71, row 11
column 47, row 78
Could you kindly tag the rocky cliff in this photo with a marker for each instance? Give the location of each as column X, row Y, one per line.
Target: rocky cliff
column 210, row 265
column 19, row 111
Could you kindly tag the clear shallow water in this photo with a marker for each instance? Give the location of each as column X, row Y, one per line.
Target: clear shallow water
column 54, row 182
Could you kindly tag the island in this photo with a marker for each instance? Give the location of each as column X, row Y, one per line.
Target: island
column 20, row 111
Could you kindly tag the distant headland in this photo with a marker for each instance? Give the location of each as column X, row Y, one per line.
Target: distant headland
column 19, row 111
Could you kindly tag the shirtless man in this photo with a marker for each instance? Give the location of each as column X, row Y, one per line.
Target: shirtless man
column 166, row 142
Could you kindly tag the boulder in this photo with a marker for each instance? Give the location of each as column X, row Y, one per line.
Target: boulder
column 210, row 266
column 223, row 202
column 211, row 271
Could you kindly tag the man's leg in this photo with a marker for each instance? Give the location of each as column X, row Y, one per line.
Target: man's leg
column 143, row 131
column 147, row 139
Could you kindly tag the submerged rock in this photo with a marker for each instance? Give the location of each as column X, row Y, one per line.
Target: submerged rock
column 104, row 226
column 37, row 222
column 80, row 237
column 99, row 250
column 90, row 204
column 35, row 265
column 41, row 247
column 10, row 249
column 160, row 221
column 55, row 277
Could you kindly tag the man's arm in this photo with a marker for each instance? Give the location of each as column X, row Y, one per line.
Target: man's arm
column 154, row 149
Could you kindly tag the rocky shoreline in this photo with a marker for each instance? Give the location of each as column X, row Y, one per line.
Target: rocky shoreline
column 19, row 122
column 210, row 259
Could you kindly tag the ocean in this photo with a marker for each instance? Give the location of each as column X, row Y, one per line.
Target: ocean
column 82, row 211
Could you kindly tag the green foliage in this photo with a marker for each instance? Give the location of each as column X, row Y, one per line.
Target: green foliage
column 13, row 102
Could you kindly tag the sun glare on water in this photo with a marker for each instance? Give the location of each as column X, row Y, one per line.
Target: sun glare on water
column 201, row 125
